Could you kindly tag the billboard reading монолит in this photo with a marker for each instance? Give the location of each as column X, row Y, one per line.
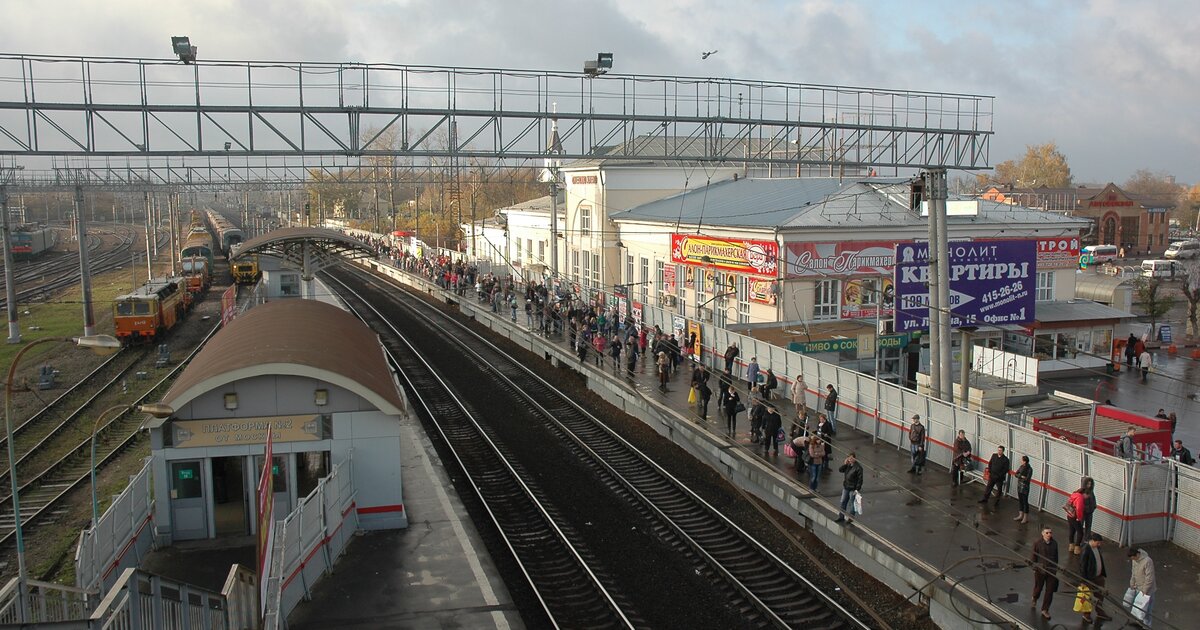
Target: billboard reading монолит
column 991, row 283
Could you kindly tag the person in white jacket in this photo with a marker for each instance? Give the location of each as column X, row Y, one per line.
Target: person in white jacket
column 1141, row 579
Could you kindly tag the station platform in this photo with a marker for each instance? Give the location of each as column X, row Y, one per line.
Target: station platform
column 437, row 573
column 929, row 518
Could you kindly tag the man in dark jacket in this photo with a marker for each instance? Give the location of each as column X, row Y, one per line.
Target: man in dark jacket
column 731, row 355
column 1180, row 453
column 1045, row 570
column 852, row 482
column 997, row 474
column 831, row 407
column 772, row 423
column 1094, row 572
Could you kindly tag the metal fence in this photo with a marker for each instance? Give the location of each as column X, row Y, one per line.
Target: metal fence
column 141, row 601
column 44, row 603
column 120, row 539
column 308, row 543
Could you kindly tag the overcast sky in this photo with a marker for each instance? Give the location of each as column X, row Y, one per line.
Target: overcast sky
column 1115, row 84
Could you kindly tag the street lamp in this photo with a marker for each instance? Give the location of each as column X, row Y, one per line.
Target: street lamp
column 103, row 344
column 157, row 410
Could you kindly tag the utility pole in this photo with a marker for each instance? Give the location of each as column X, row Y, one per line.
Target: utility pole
column 550, row 174
column 85, row 272
column 149, row 237
column 937, row 193
column 935, row 366
column 14, row 330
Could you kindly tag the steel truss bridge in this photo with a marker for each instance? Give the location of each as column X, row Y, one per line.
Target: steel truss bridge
column 120, row 121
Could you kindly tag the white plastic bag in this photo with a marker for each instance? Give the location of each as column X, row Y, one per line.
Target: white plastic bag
column 858, row 502
column 1139, row 607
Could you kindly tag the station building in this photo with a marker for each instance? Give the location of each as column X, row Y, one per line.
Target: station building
column 313, row 374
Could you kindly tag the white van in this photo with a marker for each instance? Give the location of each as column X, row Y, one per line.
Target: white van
column 1183, row 249
column 1101, row 253
column 1160, row 268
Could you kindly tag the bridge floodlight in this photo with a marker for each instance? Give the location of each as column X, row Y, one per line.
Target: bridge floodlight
column 600, row 66
column 184, row 48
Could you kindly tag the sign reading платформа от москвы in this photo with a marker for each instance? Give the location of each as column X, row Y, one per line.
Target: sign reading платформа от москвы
column 991, row 283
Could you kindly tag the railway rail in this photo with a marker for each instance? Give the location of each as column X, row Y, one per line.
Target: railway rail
column 41, row 492
column 755, row 583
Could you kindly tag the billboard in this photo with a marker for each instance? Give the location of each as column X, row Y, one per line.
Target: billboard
column 756, row 258
column 859, row 300
column 991, row 282
column 849, row 258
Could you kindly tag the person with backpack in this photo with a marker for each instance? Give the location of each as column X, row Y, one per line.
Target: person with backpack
column 916, row 443
column 731, row 355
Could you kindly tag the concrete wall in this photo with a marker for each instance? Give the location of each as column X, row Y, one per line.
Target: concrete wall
column 374, row 439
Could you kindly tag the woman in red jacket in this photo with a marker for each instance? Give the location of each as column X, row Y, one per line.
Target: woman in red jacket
column 1075, row 510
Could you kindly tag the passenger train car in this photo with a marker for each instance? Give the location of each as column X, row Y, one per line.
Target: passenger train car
column 152, row 310
column 224, row 231
column 29, row 243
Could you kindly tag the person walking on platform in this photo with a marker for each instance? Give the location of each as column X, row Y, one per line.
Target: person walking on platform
column 825, row 432
column 752, row 373
column 1074, row 512
column 1045, row 571
column 705, row 393
column 772, row 427
column 962, row 458
column 729, row 404
column 1094, row 574
column 816, row 460
column 852, row 483
column 1141, row 584
column 1181, row 454
column 997, row 471
column 1088, row 487
column 1145, row 362
column 1024, row 480
column 731, row 355
column 1130, row 350
column 831, row 404
column 799, row 398
column 1125, row 446
column 916, row 443
column 664, row 370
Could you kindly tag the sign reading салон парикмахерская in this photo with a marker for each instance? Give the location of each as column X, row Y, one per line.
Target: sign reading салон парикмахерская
column 991, row 282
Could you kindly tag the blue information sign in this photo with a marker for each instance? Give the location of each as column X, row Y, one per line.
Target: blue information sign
column 991, row 283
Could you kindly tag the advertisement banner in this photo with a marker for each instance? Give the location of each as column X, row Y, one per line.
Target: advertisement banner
column 850, row 258
column 858, row 301
column 1057, row 253
column 228, row 304
column 756, row 258
column 266, row 531
column 637, row 313
column 693, row 329
column 762, row 291
column 991, row 282
column 669, row 279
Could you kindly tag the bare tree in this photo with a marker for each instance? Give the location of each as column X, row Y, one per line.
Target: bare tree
column 1191, row 292
column 1146, row 292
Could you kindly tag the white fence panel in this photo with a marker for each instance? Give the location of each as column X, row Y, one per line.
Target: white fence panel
column 1185, row 530
column 1150, row 503
column 120, row 539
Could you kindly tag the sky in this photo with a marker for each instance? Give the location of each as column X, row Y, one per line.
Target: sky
column 1115, row 84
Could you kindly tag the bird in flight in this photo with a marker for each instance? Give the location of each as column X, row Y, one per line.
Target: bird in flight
column 706, row 55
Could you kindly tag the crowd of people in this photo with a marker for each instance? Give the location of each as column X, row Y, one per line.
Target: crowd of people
column 600, row 333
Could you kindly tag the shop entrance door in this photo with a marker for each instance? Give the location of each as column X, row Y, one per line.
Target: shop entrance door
column 189, row 516
column 229, row 496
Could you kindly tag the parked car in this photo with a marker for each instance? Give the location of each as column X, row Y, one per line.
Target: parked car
column 1160, row 268
column 1100, row 253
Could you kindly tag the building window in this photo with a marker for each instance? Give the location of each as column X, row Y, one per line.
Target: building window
column 518, row 241
column 595, row 277
column 825, row 303
column 575, row 266
column 542, row 251
column 1045, row 286
column 628, row 279
column 289, row 284
column 529, row 247
column 586, row 281
column 743, row 299
column 659, row 281
column 644, row 279
column 585, row 218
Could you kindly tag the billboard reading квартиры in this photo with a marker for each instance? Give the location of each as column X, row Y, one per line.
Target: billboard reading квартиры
column 991, row 283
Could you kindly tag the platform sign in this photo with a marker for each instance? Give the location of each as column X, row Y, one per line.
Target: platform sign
column 266, row 533
column 991, row 283
column 1164, row 333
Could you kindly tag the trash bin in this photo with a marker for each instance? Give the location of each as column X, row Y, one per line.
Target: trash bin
column 1110, row 368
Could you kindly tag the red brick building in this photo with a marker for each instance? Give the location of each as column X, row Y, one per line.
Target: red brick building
column 1118, row 218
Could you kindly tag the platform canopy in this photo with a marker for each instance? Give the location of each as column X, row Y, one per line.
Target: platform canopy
column 310, row 249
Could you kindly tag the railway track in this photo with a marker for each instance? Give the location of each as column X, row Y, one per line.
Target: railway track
column 50, row 275
column 41, row 491
column 757, row 587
